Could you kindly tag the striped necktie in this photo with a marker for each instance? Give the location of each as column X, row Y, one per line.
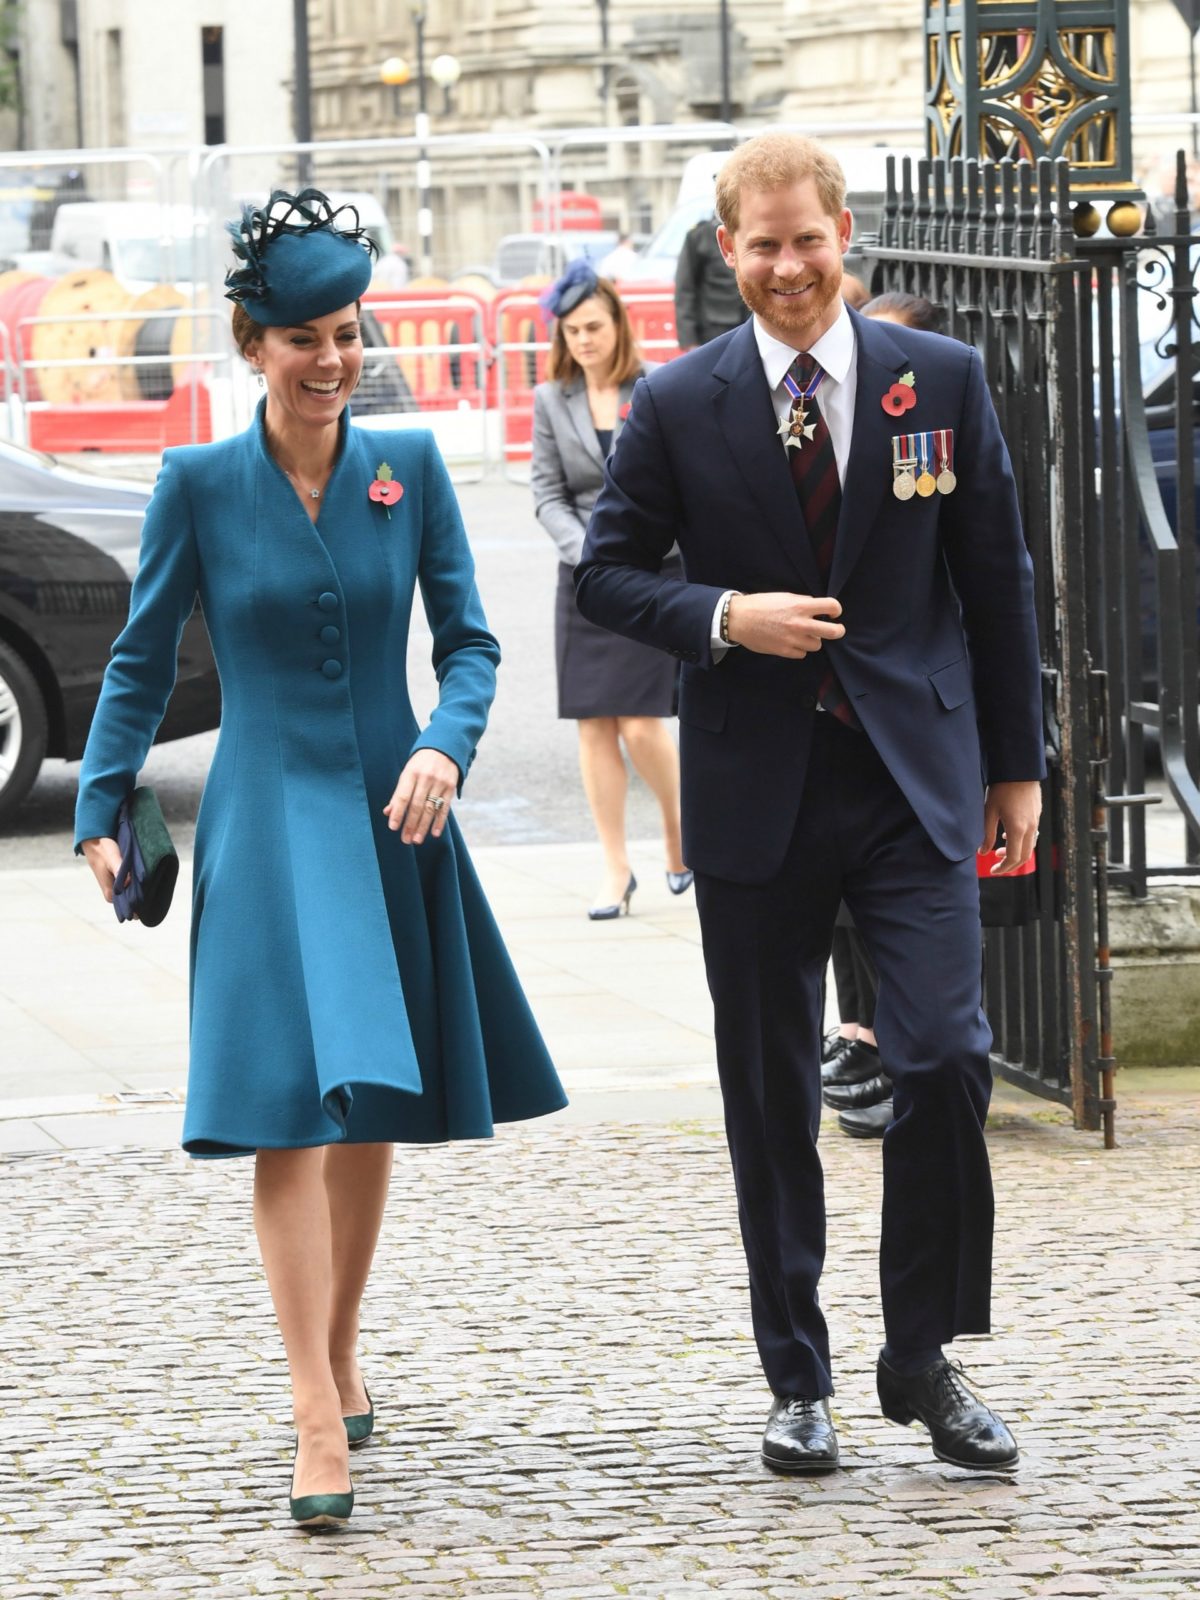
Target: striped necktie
column 819, row 490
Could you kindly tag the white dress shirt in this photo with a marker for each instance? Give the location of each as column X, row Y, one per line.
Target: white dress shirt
column 837, row 352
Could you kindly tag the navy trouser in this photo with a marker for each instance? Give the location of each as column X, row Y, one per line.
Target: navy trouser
column 765, row 949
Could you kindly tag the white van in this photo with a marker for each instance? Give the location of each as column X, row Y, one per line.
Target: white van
column 140, row 243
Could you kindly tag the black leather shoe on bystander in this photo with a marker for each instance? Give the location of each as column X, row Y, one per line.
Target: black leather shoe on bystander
column 854, row 1096
column 872, row 1122
column 800, row 1436
column 964, row 1431
column 854, row 1064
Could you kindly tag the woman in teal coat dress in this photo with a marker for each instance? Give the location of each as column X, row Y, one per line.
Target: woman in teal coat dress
column 349, row 986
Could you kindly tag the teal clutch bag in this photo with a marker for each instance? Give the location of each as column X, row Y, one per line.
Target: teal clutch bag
column 145, row 883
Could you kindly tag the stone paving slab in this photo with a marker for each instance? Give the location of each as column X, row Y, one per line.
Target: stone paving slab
column 558, row 1344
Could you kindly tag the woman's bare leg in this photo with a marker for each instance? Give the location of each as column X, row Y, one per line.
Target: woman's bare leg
column 605, row 782
column 653, row 753
column 291, row 1218
column 356, row 1184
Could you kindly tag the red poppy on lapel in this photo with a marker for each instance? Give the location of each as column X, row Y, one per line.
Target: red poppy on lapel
column 385, row 489
column 901, row 397
column 625, row 410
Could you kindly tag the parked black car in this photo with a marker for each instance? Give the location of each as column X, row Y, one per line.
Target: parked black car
column 68, row 552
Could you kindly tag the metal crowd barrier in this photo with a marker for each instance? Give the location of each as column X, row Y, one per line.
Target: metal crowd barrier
column 465, row 366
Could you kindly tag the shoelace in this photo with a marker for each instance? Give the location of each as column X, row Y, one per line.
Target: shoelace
column 798, row 1406
column 952, row 1377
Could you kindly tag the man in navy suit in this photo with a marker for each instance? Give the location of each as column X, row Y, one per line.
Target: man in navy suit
column 860, row 711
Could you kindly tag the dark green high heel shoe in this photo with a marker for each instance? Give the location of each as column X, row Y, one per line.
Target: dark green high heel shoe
column 360, row 1428
column 319, row 1510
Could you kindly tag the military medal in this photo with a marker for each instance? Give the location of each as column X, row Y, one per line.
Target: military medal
column 926, row 482
column 946, row 481
column 904, row 484
column 794, row 428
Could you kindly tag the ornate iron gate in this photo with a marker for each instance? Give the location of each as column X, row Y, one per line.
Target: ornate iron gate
column 1055, row 320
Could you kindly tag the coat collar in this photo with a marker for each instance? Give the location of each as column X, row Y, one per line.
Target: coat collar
column 575, row 395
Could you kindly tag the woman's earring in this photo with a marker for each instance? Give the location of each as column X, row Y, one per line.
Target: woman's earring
column 262, row 382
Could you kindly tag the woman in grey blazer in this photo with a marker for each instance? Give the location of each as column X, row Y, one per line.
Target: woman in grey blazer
column 618, row 691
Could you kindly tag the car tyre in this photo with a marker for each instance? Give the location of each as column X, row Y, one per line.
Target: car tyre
column 24, row 730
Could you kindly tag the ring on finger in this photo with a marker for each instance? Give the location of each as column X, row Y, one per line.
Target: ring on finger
column 436, row 802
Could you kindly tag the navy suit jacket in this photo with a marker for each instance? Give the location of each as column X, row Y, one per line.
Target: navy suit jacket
column 940, row 656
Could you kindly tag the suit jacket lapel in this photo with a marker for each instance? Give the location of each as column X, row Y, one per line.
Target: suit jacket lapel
column 747, row 419
column 581, row 415
column 880, row 360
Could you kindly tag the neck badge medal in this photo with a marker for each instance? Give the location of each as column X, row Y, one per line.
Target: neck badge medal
column 795, row 427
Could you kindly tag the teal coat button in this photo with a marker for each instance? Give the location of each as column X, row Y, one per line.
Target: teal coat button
column 330, row 635
column 327, row 601
column 331, row 669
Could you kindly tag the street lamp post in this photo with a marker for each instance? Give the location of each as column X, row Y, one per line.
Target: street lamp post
column 726, row 101
column 605, row 72
column 424, row 209
column 302, row 106
column 445, row 72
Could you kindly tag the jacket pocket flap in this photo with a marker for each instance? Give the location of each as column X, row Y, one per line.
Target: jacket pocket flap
column 700, row 710
column 952, row 683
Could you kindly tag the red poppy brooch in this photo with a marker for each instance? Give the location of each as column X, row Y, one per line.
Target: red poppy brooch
column 901, row 397
column 625, row 410
column 385, row 489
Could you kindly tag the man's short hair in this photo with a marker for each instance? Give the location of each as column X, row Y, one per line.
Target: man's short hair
column 776, row 161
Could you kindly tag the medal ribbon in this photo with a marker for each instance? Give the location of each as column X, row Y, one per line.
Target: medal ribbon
column 798, row 394
column 945, row 449
column 922, row 441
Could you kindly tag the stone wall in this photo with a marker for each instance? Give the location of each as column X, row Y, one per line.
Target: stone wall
column 1156, row 976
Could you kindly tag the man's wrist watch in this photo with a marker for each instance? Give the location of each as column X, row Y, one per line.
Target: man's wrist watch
column 723, row 626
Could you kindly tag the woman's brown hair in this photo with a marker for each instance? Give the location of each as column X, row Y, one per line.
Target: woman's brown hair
column 562, row 366
column 246, row 330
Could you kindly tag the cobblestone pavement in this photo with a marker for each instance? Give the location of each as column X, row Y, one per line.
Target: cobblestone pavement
column 569, row 1401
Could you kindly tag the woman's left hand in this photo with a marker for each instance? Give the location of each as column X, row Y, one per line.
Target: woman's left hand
column 423, row 796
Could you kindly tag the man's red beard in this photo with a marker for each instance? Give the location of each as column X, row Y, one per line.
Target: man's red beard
column 793, row 316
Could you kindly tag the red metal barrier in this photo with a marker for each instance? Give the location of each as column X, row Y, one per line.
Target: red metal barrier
column 22, row 298
column 518, row 320
column 441, row 378
column 137, row 427
column 651, row 308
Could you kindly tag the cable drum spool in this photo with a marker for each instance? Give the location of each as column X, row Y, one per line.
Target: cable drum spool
column 89, row 337
column 21, row 295
column 150, row 337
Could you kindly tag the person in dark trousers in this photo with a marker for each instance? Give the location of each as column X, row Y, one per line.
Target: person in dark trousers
column 855, row 1080
column 707, row 301
column 859, row 708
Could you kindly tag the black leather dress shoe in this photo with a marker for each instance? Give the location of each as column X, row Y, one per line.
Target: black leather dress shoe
column 854, row 1064
column 799, row 1436
column 963, row 1430
column 855, row 1096
column 872, row 1122
column 834, row 1046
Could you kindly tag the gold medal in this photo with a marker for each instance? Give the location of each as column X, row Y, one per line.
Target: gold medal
column 925, row 485
column 946, row 481
column 904, row 485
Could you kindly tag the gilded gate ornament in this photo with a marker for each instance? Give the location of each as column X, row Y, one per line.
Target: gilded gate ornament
column 1020, row 79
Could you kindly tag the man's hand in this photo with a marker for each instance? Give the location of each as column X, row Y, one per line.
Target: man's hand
column 1014, row 808
column 791, row 625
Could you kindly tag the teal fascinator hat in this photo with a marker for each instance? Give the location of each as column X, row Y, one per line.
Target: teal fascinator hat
column 299, row 260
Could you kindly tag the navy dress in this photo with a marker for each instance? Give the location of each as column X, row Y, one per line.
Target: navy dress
column 344, row 986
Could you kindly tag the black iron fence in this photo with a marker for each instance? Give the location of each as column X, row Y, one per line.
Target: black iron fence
column 1090, row 351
